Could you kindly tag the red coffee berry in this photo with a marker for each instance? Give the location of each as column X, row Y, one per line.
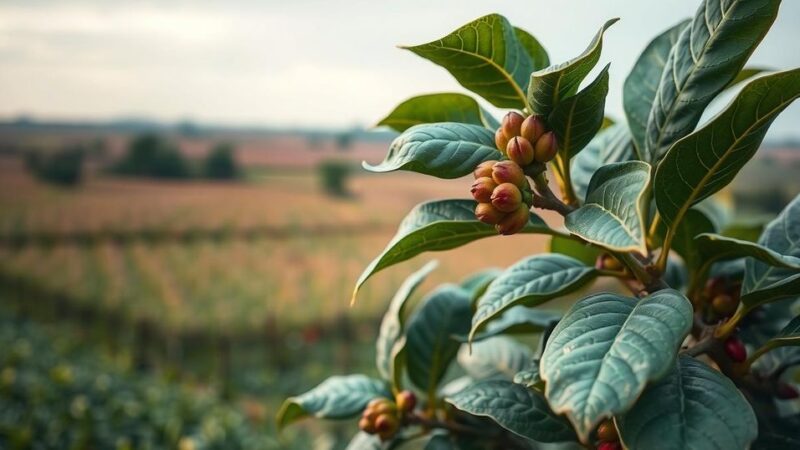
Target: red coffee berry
column 514, row 222
column 735, row 350
column 406, row 401
column 609, row 446
column 607, row 432
column 520, row 151
column 500, row 140
column 488, row 214
column 546, row 148
column 532, row 128
column 509, row 172
column 386, row 426
column 506, row 197
column 512, row 122
column 366, row 425
column 484, row 169
column 482, row 189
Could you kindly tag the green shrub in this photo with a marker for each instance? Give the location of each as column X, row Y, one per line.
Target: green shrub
column 220, row 164
column 333, row 176
column 150, row 155
column 63, row 167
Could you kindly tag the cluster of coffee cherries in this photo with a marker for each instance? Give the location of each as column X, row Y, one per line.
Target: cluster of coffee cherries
column 722, row 295
column 608, row 436
column 501, row 188
column 383, row 416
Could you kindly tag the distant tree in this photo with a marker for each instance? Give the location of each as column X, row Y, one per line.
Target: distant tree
column 220, row 164
column 333, row 176
column 63, row 167
column 151, row 155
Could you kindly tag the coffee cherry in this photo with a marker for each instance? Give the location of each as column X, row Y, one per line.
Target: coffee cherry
column 482, row 188
column 532, row 128
column 608, row 262
column 386, row 426
column 366, row 425
column 715, row 286
column 607, row 432
column 500, row 140
column 609, row 446
column 735, row 350
column 724, row 304
column 406, row 401
column 506, row 197
column 786, row 392
column 520, row 151
column 488, row 214
column 514, row 222
column 512, row 122
column 509, row 172
column 484, row 169
column 546, row 148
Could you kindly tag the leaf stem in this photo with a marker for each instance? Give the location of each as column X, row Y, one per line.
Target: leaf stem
column 661, row 263
column 757, row 354
column 545, row 198
column 728, row 327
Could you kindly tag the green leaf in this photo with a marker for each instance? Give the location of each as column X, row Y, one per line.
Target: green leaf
column 436, row 226
column 530, row 282
column 533, row 48
column 500, row 357
column 785, row 288
column 613, row 215
column 707, row 56
column 745, row 74
column 444, row 150
column 576, row 119
column 435, row 108
column 429, row 344
column 641, row 85
column 585, row 253
column 514, row 407
column 714, row 247
column 477, row 283
column 606, row 349
column 788, row 336
column 611, row 145
column 392, row 324
column 684, row 243
column 517, row 320
column 782, row 236
column 548, row 87
column 338, row 397
column 704, row 162
column 693, row 406
column 486, row 57
column 365, row 441
column 529, row 377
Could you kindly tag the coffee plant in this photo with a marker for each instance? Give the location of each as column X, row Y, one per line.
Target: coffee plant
column 699, row 350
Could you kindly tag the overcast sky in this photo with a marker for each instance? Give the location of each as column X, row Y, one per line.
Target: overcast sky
column 296, row 63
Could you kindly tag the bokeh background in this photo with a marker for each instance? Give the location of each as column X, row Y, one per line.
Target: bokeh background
column 183, row 215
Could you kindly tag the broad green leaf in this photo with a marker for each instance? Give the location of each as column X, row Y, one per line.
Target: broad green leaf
column 548, row 87
column 788, row 336
column 365, row 441
column 583, row 252
column 530, row 282
column 695, row 223
column 613, row 215
column 704, row 162
column 477, row 283
column 745, row 74
column 611, row 145
column 436, row 226
column 709, row 54
column 782, row 236
column 486, row 57
column 517, row 320
column 641, row 85
column 392, row 324
column 720, row 248
column 785, row 288
column 693, row 406
column 576, row 119
column 435, row 108
column 606, row 349
column 338, row 397
column 497, row 357
column 529, row 377
column 536, row 52
column 514, row 407
column 430, row 346
column 444, row 150
column 748, row 231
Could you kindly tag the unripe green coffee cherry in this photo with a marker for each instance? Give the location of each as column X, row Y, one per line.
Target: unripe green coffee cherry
column 500, row 140
column 724, row 304
column 532, row 128
column 482, row 189
column 506, row 197
column 484, row 169
column 512, row 122
column 509, row 172
column 406, row 401
column 488, row 214
column 546, row 148
column 607, row 432
column 520, row 151
column 514, row 222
